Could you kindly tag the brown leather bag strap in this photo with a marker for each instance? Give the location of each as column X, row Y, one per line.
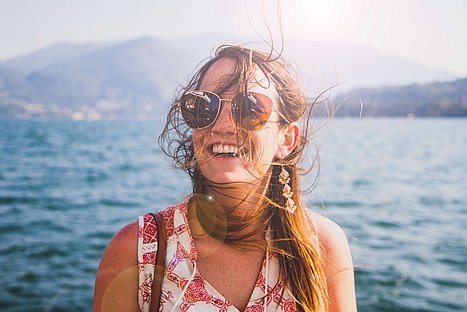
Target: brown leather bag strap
column 160, row 263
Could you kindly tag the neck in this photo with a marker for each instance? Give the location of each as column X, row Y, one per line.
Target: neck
column 232, row 207
column 238, row 198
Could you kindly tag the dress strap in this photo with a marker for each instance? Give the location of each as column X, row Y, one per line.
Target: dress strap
column 147, row 251
column 159, row 268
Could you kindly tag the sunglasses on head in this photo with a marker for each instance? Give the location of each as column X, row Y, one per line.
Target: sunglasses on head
column 250, row 110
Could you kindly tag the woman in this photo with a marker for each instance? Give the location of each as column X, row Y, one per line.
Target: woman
column 244, row 239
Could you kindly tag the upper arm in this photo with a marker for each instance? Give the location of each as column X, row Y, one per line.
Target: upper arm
column 116, row 287
column 338, row 265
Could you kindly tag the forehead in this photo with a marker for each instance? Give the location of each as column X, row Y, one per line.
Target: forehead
column 222, row 71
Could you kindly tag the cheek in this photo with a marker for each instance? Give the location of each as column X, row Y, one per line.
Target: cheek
column 199, row 139
column 265, row 145
column 196, row 141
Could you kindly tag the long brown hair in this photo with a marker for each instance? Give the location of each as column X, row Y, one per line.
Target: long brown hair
column 293, row 238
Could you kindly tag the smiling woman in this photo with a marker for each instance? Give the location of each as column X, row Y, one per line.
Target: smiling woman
column 243, row 240
column 221, row 135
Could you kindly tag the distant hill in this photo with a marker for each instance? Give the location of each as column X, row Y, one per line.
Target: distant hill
column 440, row 99
column 55, row 54
column 130, row 79
column 357, row 66
column 136, row 78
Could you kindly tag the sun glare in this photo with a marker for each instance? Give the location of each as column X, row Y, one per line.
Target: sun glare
column 323, row 10
column 322, row 19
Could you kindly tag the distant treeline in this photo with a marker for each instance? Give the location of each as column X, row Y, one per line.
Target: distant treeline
column 439, row 99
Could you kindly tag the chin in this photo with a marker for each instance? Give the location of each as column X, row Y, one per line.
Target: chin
column 231, row 177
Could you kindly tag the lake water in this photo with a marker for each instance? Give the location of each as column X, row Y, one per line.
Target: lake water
column 396, row 186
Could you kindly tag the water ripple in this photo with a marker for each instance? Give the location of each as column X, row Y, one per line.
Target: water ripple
column 397, row 188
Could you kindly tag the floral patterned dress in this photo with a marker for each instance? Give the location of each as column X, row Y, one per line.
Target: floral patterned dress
column 183, row 287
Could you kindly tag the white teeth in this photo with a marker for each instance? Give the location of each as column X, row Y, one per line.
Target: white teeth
column 224, row 149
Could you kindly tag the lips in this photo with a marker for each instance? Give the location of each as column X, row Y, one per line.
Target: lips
column 225, row 149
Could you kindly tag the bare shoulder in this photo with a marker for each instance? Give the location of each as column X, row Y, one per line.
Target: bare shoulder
column 337, row 262
column 330, row 234
column 126, row 238
column 122, row 249
column 116, row 286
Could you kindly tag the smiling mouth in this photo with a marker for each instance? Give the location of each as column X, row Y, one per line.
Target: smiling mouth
column 224, row 150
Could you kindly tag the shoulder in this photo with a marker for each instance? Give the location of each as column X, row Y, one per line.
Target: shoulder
column 127, row 236
column 333, row 241
column 116, row 283
column 330, row 234
column 337, row 262
column 122, row 248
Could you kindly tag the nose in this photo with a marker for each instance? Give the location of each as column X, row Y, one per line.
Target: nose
column 224, row 122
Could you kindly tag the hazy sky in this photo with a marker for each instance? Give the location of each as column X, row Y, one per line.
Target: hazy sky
column 431, row 32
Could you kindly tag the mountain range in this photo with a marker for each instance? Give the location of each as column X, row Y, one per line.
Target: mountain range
column 137, row 78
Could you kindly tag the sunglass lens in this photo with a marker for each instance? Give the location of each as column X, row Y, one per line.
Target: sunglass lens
column 251, row 110
column 199, row 109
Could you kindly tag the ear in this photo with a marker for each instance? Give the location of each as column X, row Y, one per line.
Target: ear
column 288, row 140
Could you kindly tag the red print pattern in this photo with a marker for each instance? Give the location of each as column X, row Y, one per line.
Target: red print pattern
column 179, row 274
column 146, row 287
column 254, row 308
column 196, row 290
column 149, row 230
column 165, row 295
